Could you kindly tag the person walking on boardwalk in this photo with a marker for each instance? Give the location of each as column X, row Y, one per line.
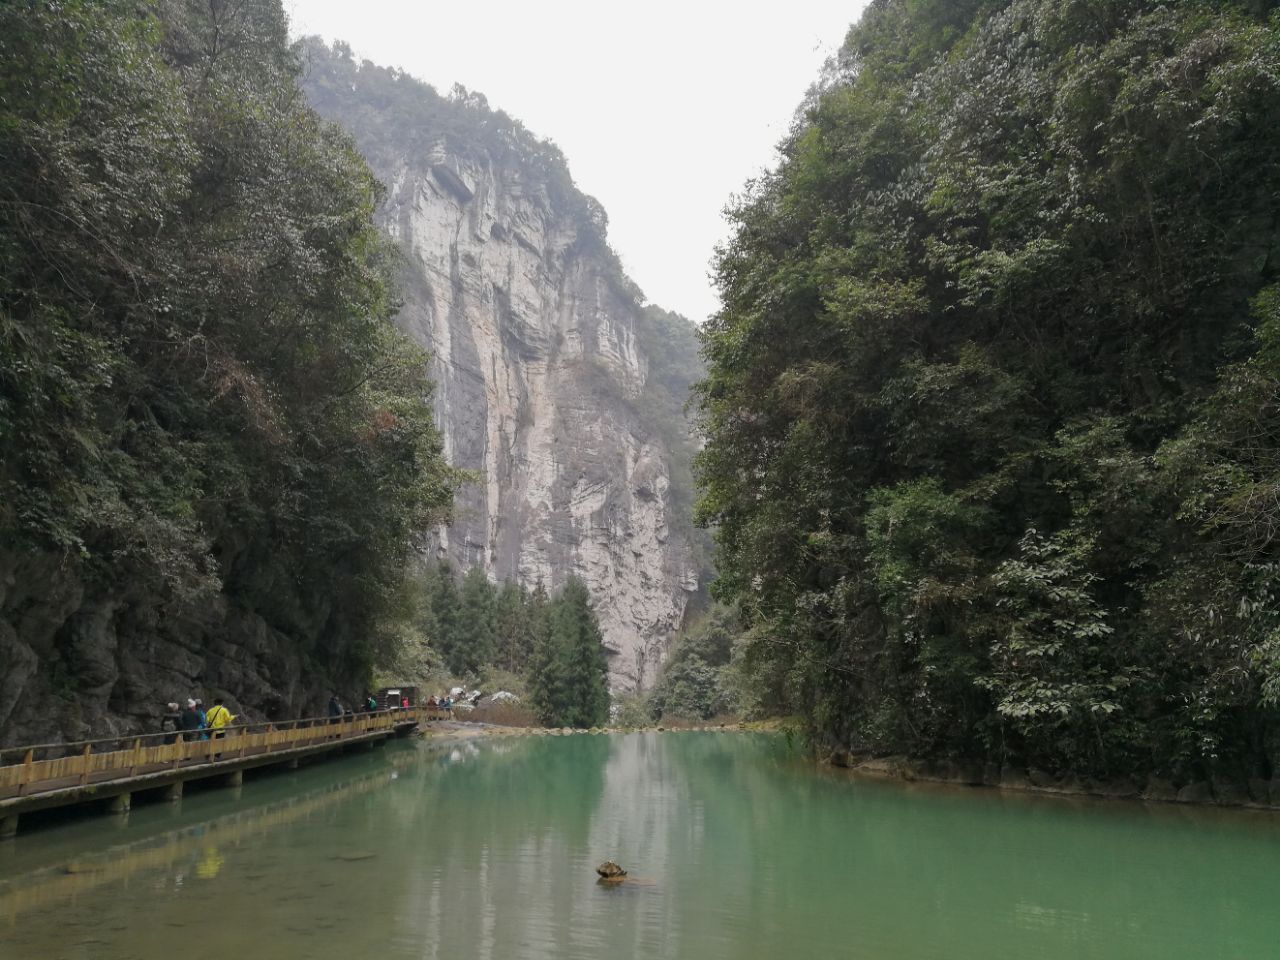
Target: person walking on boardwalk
column 189, row 721
column 335, row 711
column 169, row 723
column 218, row 718
column 204, row 721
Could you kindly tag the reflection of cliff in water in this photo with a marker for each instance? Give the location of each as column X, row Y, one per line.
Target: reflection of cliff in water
column 494, row 832
column 51, row 873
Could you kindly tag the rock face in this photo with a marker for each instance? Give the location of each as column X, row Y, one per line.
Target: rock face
column 539, row 385
column 537, row 344
column 76, row 662
column 544, row 389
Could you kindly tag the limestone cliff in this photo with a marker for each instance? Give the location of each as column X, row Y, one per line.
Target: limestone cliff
column 545, row 387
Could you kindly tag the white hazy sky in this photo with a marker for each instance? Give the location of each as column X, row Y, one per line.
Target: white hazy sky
column 664, row 109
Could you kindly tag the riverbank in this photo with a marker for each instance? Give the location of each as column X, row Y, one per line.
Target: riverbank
column 475, row 730
column 1255, row 794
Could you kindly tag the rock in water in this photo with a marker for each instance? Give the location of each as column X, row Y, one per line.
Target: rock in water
column 610, row 872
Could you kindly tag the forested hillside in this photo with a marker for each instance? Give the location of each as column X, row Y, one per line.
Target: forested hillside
column 994, row 444
column 215, row 449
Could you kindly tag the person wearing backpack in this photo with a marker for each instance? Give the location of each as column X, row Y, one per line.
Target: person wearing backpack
column 218, row 718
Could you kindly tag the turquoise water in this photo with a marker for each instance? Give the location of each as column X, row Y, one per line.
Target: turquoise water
column 737, row 848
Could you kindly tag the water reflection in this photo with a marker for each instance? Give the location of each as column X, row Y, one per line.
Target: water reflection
column 735, row 846
column 42, row 871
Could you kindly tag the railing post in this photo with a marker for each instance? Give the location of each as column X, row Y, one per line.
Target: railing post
column 86, row 759
column 137, row 748
column 25, row 776
column 267, row 742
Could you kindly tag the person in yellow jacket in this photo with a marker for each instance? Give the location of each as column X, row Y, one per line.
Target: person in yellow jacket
column 217, row 718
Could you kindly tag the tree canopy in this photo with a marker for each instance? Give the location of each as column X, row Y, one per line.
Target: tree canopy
column 992, row 443
column 569, row 678
column 202, row 397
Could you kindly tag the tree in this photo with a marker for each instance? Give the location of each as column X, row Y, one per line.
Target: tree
column 446, row 604
column 697, row 681
column 204, row 405
column 569, row 680
column 474, row 639
column 989, row 408
column 514, row 628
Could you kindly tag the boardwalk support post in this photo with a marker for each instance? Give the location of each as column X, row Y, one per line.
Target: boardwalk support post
column 235, row 778
column 173, row 792
column 8, row 826
column 120, row 803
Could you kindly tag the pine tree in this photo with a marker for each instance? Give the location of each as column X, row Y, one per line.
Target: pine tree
column 569, row 679
column 446, row 605
column 514, row 629
column 474, row 643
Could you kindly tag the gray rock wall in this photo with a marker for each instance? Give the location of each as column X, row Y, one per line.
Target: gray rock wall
column 539, row 381
column 80, row 661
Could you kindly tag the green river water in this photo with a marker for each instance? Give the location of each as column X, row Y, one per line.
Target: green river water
column 737, row 848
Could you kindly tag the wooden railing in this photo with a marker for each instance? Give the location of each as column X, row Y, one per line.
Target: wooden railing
column 29, row 768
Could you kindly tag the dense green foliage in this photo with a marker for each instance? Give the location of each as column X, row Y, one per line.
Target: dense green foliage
column 201, row 393
column 478, row 625
column 993, row 445
column 483, row 629
column 699, row 678
column 569, row 679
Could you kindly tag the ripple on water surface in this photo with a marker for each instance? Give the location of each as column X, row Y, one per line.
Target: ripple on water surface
column 736, row 849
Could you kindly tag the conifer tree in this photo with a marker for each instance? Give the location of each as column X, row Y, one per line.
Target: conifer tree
column 514, row 629
column 446, row 605
column 569, row 679
column 474, row 638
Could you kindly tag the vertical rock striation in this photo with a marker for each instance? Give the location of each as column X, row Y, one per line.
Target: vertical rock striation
column 536, row 337
column 539, row 387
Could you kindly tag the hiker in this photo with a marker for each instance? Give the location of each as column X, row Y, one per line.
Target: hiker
column 335, row 712
column 204, row 718
column 371, row 703
column 189, row 721
column 217, row 719
column 169, row 723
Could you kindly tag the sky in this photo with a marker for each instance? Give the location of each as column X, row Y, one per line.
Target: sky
column 664, row 109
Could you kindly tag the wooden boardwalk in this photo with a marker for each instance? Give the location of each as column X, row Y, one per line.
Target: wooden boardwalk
column 112, row 770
